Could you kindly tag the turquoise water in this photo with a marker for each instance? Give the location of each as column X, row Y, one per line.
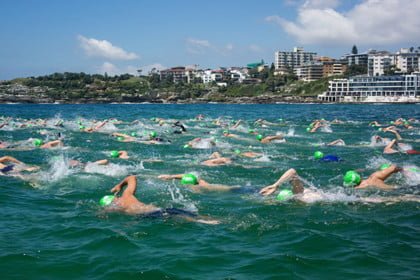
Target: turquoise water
column 52, row 226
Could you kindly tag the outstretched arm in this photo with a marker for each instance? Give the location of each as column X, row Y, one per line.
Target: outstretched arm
column 388, row 149
column 285, row 177
column 169, row 177
column 11, row 159
column 131, row 183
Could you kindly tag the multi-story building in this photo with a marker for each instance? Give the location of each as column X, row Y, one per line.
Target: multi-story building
column 291, row 60
column 407, row 61
column 396, row 88
column 310, row 71
column 379, row 62
column 356, row 59
column 334, row 68
column 177, row 73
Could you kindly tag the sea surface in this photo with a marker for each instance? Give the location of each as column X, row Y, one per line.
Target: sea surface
column 52, row 227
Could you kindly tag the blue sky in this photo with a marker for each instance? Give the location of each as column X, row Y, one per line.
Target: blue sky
column 40, row 37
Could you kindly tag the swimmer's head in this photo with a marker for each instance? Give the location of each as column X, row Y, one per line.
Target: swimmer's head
column 120, row 138
column 186, row 146
column 133, row 134
column 106, row 200
column 251, row 131
column 259, row 137
column 351, row 179
column 284, row 195
column 81, row 127
column 225, row 132
column 384, row 166
column 318, row 155
column 237, row 151
column 37, row 142
column 308, row 129
column 153, row 134
column 189, row 179
column 114, row 154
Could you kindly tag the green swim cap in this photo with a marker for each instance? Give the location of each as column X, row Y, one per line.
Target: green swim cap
column 308, row 129
column 37, row 142
column 225, row 132
column 259, row 137
column 133, row 134
column 106, row 200
column 114, row 154
column 311, row 125
column 351, row 179
column 153, row 134
column 237, row 151
column 384, row 166
column 281, row 119
column 406, row 123
column 318, row 155
column 379, row 129
column 189, row 179
column 251, row 131
column 81, row 127
column 284, row 195
column 186, row 146
column 120, row 138
column 391, row 122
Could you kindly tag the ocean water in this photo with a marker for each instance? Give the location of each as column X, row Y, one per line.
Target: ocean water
column 52, row 227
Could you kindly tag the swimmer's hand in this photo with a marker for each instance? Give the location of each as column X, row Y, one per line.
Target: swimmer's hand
column 208, row 222
column 268, row 190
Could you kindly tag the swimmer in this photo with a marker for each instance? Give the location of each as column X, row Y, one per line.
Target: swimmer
column 351, row 179
column 338, row 142
column 270, row 138
column 10, row 164
column 124, row 137
column 96, row 128
column 374, row 123
column 119, row 154
column 129, row 204
column 216, row 159
column 52, row 144
column 201, row 143
column 195, row 184
column 236, row 124
column 227, row 134
column 180, row 128
column 327, row 158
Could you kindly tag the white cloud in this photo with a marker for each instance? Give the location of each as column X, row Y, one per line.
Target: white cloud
column 320, row 4
column 198, row 46
column 103, row 48
column 112, row 70
column 372, row 22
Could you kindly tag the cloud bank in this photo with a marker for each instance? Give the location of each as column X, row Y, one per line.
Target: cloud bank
column 371, row 22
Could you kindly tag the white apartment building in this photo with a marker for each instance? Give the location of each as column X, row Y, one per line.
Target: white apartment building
column 407, row 61
column 379, row 62
column 293, row 59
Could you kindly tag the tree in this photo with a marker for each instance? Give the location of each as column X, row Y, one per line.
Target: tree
column 354, row 50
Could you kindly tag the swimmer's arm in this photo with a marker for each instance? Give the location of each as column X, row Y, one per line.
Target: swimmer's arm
column 11, row 159
column 120, row 134
column 169, row 176
column 101, row 162
column 131, row 183
column 272, row 188
column 388, row 149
